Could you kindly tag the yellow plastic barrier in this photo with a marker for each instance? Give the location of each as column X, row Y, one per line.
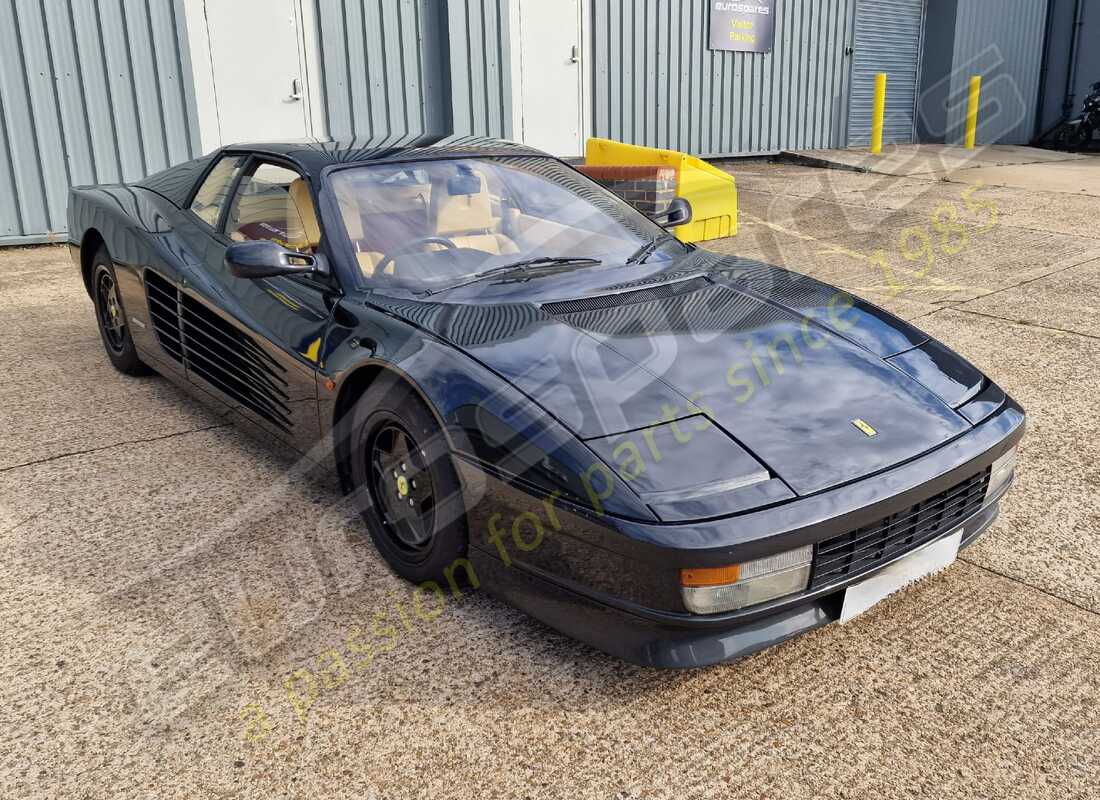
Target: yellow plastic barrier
column 711, row 192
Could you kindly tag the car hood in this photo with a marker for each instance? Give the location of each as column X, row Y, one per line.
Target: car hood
column 797, row 372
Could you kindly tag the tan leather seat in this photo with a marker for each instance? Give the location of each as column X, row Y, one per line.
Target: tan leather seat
column 267, row 206
column 349, row 210
column 303, row 228
column 353, row 222
column 368, row 260
column 467, row 219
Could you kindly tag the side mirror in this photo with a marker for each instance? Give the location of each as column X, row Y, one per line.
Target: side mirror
column 678, row 213
column 267, row 259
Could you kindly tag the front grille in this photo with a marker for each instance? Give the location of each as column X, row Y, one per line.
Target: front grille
column 851, row 554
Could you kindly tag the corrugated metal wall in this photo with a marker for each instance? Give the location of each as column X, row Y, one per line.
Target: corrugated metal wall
column 936, row 65
column 656, row 82
column 395, row 70
column 887, row 39
column 90, row 92
column 382, row 69
column 480, row 67
column 1006, row 49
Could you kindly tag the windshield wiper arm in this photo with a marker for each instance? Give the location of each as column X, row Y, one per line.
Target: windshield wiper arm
column 548, row 260
column 524, row 266
column 646, row 250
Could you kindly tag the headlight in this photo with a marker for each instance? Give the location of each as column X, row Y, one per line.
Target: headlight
column 687, row 469
column 714, row 589
column 1001, row 475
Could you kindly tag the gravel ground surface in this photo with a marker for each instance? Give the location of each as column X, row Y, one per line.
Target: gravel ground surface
column 165, row 576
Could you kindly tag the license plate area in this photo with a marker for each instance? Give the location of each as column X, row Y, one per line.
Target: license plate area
column 930, row 558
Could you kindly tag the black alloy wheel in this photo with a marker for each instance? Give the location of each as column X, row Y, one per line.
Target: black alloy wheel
column 109, row 310
column 111, row 317
column 402, row 488
column 397, row 464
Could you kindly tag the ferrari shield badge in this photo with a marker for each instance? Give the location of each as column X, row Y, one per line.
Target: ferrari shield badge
column 866, row 428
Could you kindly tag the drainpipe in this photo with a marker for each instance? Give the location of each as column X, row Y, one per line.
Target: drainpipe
column 1037, row 129
column 1071, row 69
column 1075, row 43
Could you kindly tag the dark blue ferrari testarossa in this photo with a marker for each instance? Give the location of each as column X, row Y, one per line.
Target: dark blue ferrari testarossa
column 527, row 385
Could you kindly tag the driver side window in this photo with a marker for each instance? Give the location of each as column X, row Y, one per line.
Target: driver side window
column 211, row 196
column 273, row 203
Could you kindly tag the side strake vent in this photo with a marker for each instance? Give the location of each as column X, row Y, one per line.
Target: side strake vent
column 218, row 352
column 645, row 295
column 221, row 354
column 164, row 311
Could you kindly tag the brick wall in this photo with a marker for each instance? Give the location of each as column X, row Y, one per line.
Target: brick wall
column 648, row 189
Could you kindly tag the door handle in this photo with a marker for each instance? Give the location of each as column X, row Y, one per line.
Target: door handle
column 575, row 58
column 295, row 91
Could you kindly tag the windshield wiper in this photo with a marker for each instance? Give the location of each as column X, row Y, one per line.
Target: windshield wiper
column 580, row 261
column 646, row 250
column 525, row 266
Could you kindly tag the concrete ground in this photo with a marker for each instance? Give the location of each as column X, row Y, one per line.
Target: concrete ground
column 930, row 159
column 166, row 578
column 1073, row 177
column 1001, row 165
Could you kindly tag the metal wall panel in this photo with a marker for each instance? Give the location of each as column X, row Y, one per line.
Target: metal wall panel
column 937, row 58
column 887, row 39
column 90, row 92
column 382, row 69
column 1063, row 58
column 656, row 82
column 1005, row 47
column 480, row 67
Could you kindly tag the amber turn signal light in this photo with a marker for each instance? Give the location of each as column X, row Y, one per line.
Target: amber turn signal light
column 710, row 576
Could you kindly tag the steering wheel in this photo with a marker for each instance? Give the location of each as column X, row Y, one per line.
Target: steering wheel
column 380, row 267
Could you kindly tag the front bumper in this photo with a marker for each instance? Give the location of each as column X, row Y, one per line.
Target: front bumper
column 669, row 640
column 615, row 583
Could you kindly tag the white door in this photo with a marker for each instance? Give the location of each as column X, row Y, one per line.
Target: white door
column 550, row 76
column 257, row 70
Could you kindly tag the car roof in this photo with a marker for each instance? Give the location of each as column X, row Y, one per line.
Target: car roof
column 316, row 154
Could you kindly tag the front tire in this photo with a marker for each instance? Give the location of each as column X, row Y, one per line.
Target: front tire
column 111, row 317
column 404, row 481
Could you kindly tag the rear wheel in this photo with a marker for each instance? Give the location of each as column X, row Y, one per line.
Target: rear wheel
column 111, row 317
column 405, row 482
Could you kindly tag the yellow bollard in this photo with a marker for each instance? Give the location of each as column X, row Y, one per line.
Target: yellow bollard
column 972, row 112
column 879, row 113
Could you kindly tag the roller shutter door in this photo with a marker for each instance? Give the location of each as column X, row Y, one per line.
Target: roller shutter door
column 887, row 39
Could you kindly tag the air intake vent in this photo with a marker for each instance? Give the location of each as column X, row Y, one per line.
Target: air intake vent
column 164, row 311
column 222, row 355
column 646, row 295
column 218, row 352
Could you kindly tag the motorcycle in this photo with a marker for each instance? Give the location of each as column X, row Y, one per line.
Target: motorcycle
column 1077, row 133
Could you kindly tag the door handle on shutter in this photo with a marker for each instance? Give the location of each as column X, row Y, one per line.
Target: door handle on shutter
column 576, row 57
column 295, row 91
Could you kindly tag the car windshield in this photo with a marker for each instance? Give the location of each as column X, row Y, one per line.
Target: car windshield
column 429, row 225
